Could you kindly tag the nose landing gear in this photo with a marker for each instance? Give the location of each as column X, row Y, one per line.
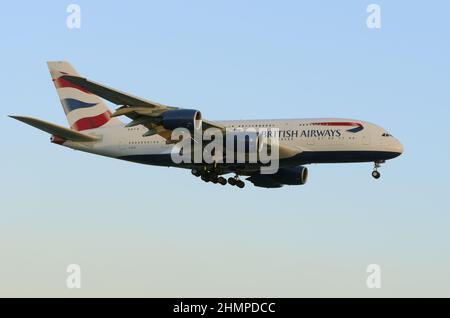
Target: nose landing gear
column 375, row 172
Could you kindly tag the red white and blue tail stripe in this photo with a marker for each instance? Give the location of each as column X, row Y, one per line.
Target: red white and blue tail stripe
column 83, row 109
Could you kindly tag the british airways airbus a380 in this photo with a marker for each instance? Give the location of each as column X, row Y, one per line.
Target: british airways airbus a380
column 147, row 137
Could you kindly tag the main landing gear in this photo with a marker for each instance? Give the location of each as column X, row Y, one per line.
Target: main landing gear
column 211, row 176
column 235, row 181
column 375, row 172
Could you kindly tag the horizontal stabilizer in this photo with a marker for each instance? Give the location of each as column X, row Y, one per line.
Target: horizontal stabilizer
column 55, row 129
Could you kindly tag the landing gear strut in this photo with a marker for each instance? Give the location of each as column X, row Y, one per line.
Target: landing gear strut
column 375, row 172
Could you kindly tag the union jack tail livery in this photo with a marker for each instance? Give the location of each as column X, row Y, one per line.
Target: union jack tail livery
column 83, row 109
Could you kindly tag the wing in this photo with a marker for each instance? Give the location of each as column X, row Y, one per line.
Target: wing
column 141, row 111
column 113, row 95
column 145, row 112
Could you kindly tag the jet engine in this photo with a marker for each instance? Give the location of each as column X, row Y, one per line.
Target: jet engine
column 182, row 118
column 284, row 176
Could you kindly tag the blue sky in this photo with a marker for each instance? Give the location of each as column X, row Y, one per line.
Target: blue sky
column 146, row 231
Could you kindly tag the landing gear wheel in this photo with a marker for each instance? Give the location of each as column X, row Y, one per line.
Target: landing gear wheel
column 214, row 179
column 232, row 181
column 205, row 178
column 375, row 172
column 211, row 176
column 222, row 180
column 195, row 172
column 240, row 184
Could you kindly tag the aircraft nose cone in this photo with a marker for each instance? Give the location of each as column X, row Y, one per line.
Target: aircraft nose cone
column 398, row 147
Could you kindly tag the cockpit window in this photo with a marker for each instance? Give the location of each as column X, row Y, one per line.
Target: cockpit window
column 386, row 135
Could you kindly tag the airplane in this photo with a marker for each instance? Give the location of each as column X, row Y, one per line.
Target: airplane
column 146, row 139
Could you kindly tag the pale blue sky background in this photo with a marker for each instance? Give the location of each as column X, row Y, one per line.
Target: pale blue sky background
column 147, row 231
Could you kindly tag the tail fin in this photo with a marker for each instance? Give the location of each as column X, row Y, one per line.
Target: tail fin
column 83, row 109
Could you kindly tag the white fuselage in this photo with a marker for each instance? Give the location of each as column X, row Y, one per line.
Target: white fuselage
column 318, row 140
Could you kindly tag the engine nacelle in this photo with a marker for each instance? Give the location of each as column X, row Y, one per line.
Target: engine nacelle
column 264, row 181
column 289, row 176
column 182, row 118
column 292, row 176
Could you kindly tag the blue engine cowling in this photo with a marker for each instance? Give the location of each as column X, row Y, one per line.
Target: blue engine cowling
column 264, row 181
column 182, row 118
column 289, row 176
